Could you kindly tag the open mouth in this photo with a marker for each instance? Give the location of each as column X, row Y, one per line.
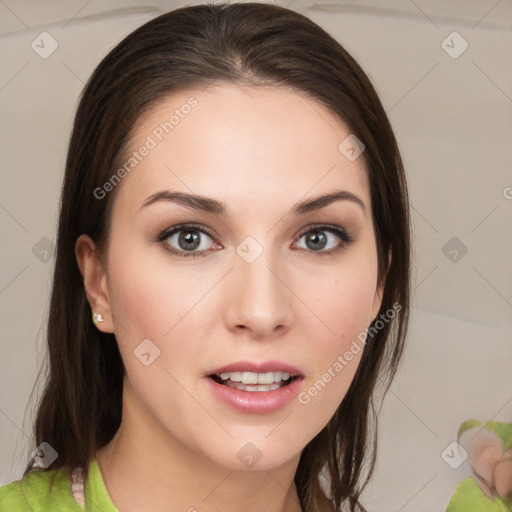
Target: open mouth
column 248, row 381
column 252, row 389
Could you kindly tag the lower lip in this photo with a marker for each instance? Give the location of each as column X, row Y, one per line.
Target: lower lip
column 255, row 402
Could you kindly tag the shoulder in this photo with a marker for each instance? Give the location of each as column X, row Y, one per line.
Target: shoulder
column 35, row 493
column 12, row 498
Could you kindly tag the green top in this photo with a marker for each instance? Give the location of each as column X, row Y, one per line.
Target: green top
column 32, row 494
column 468, row 497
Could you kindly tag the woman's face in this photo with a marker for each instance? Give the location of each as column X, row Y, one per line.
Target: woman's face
column 259, row 283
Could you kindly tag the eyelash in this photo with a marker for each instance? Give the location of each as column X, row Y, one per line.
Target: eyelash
column 346, row 239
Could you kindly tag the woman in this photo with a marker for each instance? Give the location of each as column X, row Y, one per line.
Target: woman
column 234, row 215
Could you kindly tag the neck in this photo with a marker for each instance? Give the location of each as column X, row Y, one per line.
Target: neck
column 146, row 468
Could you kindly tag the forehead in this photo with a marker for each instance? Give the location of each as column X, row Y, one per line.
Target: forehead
column 264, row 144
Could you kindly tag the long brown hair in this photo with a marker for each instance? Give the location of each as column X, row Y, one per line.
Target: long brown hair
column 251, row 44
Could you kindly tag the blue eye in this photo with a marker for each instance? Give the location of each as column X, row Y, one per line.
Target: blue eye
column 189, row 239
column 316, row 236
column 190, row 244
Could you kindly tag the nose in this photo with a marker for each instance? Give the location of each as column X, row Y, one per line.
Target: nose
column 258, row 298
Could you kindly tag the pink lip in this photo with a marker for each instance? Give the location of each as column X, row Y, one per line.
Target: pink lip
column 255, row 402
column 266, row 366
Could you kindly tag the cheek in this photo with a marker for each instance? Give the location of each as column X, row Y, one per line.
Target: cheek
column 149, row 302
column 153, row 299
column 138, row 299
column 344, row 307
column 148, row 296
column 342, row 302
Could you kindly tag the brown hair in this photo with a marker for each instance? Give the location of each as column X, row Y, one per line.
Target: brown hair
column 250, row 44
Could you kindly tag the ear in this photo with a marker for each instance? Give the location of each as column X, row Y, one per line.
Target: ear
column 377, row 300
column 95, row 281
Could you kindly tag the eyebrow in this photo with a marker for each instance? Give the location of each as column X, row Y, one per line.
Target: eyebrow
column 209, row 205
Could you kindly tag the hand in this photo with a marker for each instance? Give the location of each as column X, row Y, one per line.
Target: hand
column 491, row 465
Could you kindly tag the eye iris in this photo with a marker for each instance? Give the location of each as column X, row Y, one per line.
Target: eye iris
column 189, row 240
column 317, row 237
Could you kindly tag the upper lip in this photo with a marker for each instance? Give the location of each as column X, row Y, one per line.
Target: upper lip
column 263, row 367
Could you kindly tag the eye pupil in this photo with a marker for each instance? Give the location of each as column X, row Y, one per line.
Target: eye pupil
column 189, row 239
column 317, row 238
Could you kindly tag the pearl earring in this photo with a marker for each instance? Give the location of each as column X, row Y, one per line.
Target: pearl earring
column 97, row 318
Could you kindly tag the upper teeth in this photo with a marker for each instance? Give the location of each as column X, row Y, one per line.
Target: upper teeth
column 255, row 378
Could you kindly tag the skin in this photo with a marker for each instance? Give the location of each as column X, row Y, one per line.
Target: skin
column 245, row 147
column 492, row 467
